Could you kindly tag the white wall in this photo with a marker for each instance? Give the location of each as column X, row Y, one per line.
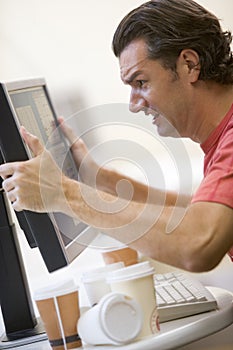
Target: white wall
column 69, row 42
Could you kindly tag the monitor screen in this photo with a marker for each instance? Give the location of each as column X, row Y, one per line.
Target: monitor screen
column 59, row 237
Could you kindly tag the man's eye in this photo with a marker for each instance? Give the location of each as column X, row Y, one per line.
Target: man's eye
column 141, row 83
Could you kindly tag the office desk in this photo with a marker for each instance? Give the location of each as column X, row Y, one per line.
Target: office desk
column 176, row 333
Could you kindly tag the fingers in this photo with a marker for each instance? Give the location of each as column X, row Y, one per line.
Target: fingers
column 67, row 131
column 7, row 170
column 11, row 196
column 16, row 206
column 34, row 144
column 7, row 173
column 32, row 141
column 11, row 193
column 8, row 185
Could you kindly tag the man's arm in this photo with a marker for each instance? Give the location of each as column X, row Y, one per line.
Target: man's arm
column 193, row 238
column 120, row 185
column 114, row 182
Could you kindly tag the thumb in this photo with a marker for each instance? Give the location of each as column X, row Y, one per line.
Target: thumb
column 32, row 141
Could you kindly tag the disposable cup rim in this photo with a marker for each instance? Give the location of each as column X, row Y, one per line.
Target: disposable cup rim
column 99, row 274
column 55, row 290
column 131, row 272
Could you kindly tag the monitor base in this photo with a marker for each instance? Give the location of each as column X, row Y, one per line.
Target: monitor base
column 23, row 338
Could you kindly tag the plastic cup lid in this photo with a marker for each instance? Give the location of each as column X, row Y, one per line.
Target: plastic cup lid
column 131, row 272
column 56, row 289
column 120, row 318
column 100, row 272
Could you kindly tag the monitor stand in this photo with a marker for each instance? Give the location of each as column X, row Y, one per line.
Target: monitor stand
column 21, row 325
column 30, row 336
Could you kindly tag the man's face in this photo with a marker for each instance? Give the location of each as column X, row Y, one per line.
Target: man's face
column 155, row 90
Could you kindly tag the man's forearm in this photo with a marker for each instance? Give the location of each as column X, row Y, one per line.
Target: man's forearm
column 142, row 226
column 109, row 180
column 158, row 231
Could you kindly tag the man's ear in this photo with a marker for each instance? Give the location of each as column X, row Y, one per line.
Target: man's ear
column 189, row 59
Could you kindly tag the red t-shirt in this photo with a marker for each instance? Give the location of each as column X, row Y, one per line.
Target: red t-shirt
column 217, row 185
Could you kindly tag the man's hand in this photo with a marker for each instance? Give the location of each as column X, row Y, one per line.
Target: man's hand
column 85, row 164
column 35, row 184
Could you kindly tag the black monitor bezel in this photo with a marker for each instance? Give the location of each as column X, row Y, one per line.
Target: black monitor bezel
column 46, row 235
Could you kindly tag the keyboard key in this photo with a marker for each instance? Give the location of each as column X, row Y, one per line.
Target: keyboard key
column 166, row 296
column 174, row 294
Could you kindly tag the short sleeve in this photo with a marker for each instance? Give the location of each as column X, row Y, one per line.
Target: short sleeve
column 217, row 185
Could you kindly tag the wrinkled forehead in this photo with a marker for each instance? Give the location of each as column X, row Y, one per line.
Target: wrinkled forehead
column 132, row 58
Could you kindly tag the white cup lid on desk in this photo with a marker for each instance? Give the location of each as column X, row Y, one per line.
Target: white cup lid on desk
column 121, row 317
column 100, row 272
column 56, row 289
column 131, row 272
column 116, row 319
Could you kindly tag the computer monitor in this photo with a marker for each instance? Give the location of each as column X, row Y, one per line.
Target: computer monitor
column 27, row 103
column 59, row 237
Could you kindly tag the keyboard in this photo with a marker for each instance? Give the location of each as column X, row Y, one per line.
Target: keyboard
column 179, row 295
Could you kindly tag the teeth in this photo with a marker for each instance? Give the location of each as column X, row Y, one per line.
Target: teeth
column 152, row 113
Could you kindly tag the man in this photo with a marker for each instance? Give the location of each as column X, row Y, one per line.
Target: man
column 178, row 63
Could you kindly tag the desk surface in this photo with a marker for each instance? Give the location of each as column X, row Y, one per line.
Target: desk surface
column 173, row 334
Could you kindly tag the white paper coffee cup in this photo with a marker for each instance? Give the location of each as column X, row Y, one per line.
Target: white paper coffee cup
column 137, row 282
column 94, row 282
column 115, row 320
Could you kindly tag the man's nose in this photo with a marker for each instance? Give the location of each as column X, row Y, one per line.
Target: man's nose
column 137, row 102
